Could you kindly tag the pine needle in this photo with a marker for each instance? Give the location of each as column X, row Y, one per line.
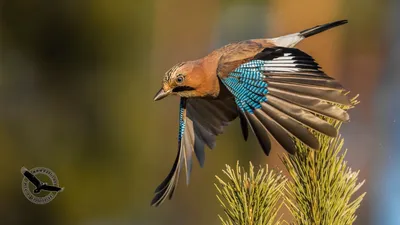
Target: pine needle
column 251, row 198
column 320, row 192
column 323, row 185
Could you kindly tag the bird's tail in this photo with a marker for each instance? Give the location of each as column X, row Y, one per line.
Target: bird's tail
column 289, row 41
column 320, row 28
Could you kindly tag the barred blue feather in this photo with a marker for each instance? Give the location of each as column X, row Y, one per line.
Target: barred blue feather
column 182, row 124
column 247, row 84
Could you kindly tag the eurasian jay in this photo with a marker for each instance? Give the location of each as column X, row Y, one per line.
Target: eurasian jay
column 275, row 89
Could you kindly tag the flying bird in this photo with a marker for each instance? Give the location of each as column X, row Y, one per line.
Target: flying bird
column 275, row 89
column 38, row 184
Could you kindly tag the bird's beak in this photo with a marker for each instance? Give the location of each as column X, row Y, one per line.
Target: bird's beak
column 161, row 94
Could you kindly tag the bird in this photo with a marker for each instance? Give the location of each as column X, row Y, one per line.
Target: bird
column 38, row 184
column 277, row 90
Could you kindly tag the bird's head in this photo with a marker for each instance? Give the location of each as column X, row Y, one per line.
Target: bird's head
column 183, row 79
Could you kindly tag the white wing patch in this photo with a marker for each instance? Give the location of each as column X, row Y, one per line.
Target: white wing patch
column 288, row 41
column 290, row 62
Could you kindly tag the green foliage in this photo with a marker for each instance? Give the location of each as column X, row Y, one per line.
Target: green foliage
column 322, row 184
column 319, row 192
column 249, row 198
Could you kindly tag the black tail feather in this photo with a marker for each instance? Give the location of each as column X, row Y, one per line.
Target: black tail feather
column 320, row 28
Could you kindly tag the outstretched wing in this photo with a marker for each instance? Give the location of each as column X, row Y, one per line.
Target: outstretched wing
column 167, row 187
column 200, row 121
column 32, row 178
column 281, row 91
column 51, row 188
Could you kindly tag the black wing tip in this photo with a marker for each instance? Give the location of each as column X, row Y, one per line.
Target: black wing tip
column 290, row 151
column 161, row 196
column 243, row 125
column 155, row 202
column 212, row 145
column 316, row 145
column 246, row 137
column 260, row 132
column 294, row 150
column 162, row 191
column 332, row 132
column 160, row 187
column 201, row 164
column 320, row 28
column 158, row 199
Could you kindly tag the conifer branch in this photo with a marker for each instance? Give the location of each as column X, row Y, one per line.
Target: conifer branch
column 320, row 192
column 322, row 184
column 251, row 198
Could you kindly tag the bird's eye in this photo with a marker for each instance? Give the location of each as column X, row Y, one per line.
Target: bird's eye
column 180, row 79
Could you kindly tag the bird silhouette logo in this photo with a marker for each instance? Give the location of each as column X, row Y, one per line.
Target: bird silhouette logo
column 40, row 185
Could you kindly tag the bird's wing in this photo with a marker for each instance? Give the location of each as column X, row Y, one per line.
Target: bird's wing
column 32, row 178
column 200, row 121
column 281, row 91
column 51, row 188
column 167, row 187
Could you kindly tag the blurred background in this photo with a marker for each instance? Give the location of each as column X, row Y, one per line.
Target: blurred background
column 77, row 82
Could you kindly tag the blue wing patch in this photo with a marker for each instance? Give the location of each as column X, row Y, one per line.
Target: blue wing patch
column 182, row 124
column 247, row 84
column 297, row 89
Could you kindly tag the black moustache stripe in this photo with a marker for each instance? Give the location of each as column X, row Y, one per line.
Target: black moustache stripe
column 182, row 88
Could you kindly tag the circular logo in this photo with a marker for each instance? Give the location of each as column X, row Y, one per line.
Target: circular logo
column 40, row 185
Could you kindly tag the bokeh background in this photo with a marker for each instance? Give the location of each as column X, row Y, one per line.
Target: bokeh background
column 77, row 82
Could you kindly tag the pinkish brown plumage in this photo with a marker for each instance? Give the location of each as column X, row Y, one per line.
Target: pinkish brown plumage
column 201, row 74
column 273, row 88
